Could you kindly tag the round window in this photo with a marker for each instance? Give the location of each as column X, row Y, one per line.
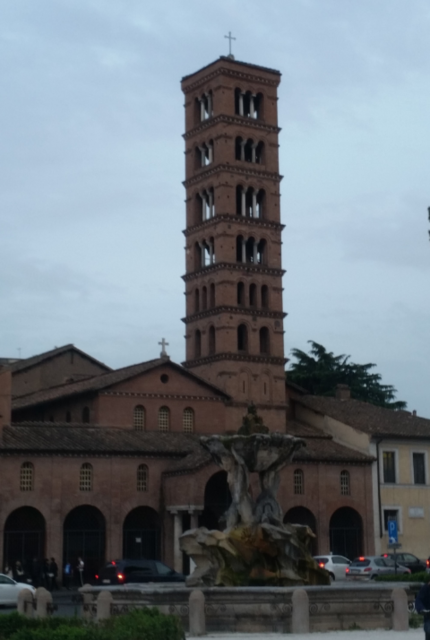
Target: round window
column 164, row 378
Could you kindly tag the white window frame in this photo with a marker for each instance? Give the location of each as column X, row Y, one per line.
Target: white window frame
column 393, row 507
column 381, row 465
column 424, row 451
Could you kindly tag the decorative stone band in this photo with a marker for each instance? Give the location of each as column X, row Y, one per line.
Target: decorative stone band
column 261, row 313
column 261, row 223
column 234, row 357
column 234, row 266
column 231, row 168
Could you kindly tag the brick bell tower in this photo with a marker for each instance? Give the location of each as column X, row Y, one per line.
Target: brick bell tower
column 233, row 281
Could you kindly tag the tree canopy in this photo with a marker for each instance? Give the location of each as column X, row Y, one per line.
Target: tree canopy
column 320, row 371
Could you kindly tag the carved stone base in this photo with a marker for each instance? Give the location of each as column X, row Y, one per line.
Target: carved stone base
column 262, row 554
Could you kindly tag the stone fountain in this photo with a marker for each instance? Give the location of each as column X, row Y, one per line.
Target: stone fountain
column 256, row 548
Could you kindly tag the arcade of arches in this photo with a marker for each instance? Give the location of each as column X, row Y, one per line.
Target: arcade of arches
column 84, row 535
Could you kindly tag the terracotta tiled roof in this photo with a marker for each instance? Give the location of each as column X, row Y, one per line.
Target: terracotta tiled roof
column 102, row 381
column 187, row 454
column 366, row 417
column 26, row 363
column 40, row 437
column 320, row 446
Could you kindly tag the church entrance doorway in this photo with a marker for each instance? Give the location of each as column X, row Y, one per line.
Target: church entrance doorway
column 142, row 534
column 217, row 501
column 346, row 533
column 24, row 537
column 84, row 536
column 301, row 515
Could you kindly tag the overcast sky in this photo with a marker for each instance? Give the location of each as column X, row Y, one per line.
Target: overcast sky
column 91, row 165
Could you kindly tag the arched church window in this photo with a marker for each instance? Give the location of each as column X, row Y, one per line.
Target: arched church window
column 252, row 295
column 265, row 296
column 197, row 344
column 242, row 338
column 264, row 341
column 139, row 418
column 164, row 419
column 142, row 478
column 299, row 483
column 345, row 488
column 241, row 294
column 188, row 420
column 86, row 477
column 26, row 477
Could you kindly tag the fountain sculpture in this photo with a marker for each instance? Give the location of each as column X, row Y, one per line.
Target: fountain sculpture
column 256, row 547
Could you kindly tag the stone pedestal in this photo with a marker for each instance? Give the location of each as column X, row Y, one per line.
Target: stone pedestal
column 197, row 613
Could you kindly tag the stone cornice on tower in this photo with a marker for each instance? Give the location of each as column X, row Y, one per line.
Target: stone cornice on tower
column 235, row 357
column 230, row 168
column 260, row 223
column 228, row 67
column 234, row 266
column 261, row 313
column 235, row 120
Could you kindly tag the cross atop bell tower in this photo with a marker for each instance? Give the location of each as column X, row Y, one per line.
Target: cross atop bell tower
column 233, row 280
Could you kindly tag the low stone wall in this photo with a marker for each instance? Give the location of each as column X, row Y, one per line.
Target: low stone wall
column 267, row 609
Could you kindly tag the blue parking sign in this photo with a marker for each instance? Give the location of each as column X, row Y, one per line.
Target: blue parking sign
column 392, row 532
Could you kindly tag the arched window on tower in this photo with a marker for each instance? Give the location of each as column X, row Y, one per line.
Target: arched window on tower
column 206, row 199
column 265, row 296
column 164, row 419
column 204, row 106
column 86, row 477
column 241, row 294
column 197, row 344
column 299, row 482
column 264, row 341
column 252, row 295
column 188, row 420
column 212, row 345
column 261, row 197
column 142, row 478
column 26, row 477
column 248, row 104
column 212, row 296
column 139, row 418
column 204, row 154
column 242, row 338
column 204, row 299
column 196, row 301
column 261, row 252
column 345, row 487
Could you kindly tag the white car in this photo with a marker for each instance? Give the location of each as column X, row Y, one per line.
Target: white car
column 335, row 565
column 9, row 590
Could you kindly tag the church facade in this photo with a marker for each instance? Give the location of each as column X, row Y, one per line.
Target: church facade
column 104, row 463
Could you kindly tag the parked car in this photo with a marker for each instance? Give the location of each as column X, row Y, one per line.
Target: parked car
column 335, row 565
column 371, row 566
column 126, row 571
column 408, row 560
column 9, row 590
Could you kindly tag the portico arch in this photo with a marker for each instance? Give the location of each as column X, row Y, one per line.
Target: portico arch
column 142, row 534
column 84, row 535
column 24, row 536
column 302, row 515
column 217, row 501
column 346, row 533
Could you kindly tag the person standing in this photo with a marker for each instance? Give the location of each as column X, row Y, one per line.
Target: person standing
column 80, row 567
column 67, row 575
column 422, row 605
column 53, row 574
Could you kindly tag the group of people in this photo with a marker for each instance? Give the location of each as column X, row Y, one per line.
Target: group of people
column 44, row 573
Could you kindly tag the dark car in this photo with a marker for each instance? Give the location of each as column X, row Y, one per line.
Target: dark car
column 408, row 560
column 127, row 571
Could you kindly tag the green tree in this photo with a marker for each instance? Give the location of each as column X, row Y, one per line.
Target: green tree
column 320, row 371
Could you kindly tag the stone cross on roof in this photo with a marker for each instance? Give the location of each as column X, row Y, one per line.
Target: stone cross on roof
column 163, row 344
column 229, row 38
